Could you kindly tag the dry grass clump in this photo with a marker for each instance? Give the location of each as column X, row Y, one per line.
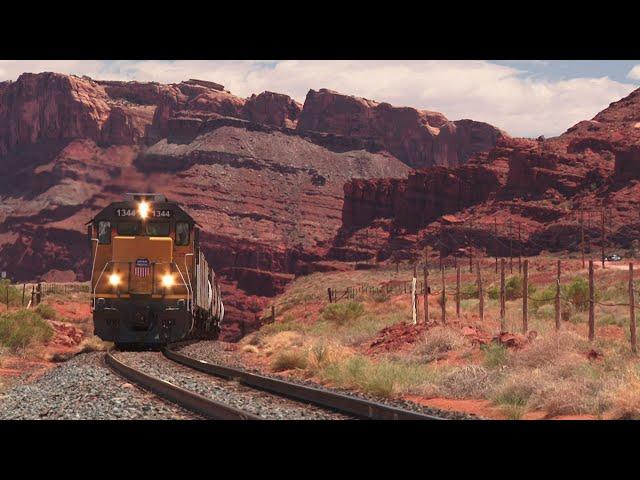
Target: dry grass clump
column 572, row 396
column 383, row 378
column 438, row 341
column 281, row 341
column 289, row 360
column 22, row 328
column 547, row 350
column 517, row 389
column 624, row 397
column 46, row 311
column 94, row 344
column 342, row 313
column 470, row 381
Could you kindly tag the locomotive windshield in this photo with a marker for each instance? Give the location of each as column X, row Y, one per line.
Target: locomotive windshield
column 158, row 229
column 128, row 228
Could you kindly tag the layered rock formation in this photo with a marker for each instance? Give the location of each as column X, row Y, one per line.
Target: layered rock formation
column 533, row 193
column 417, row 137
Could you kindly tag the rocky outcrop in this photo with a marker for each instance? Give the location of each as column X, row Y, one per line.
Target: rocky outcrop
column 272, row 109
column 417, row 137
column 422, row 197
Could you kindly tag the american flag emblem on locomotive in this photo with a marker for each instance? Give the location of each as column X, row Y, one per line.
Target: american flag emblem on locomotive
column 150, row 282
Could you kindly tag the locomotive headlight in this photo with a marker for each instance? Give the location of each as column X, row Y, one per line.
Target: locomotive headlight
column 167, row 280
column 114, row 279
column 143, row 209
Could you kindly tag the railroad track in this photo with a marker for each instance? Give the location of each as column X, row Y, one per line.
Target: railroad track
column 353, row 407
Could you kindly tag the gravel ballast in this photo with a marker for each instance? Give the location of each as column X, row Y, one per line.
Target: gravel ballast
column 214, row 352
column 263, row 404
column 84, row 388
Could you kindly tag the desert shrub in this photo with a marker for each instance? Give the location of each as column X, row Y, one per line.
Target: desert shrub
column 577, row 292
column 495, row 355
column 289, row 360
column 546, row 311
column 572, row 396
column 625, row 400
column 383, row 378
column 517, row 388
column 566, row 311
column 287, row 324
column 547, row 350
column 513, row 287
column 342, row 313
column 470, row 381
column 493, row 292
column 46, row 311
column 22, row 328
column 380, row 296
column 468, row 291
column 14, row 293
column 543, row 297
column 438, row 340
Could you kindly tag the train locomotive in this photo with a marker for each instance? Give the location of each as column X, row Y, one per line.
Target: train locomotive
column 150, row 282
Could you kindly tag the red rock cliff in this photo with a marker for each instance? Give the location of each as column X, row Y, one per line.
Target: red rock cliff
column 417, row 137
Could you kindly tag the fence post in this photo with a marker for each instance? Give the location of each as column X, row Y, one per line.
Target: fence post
column 480, row 293
column 632, row 311
column 24, row 287
column 457, row 290
column 7, row 296
column 39, row 293
column 329, row 293
column 413, row 301
column 426, row 294
column 443, row 304
column 525, row 297
column 558, row 297
column 592, row 316
column 503, row 323
column 273, row 313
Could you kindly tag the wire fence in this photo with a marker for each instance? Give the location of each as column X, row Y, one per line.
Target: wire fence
column 580, row 293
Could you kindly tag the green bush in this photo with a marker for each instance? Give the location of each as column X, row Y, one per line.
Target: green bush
column 22, row 328
column 493, row 292
column 468, row 291
column 495, row 355
column 46, row 311
column 513, row 287
column 577, row 292
column 342, row 313
column 15, row 294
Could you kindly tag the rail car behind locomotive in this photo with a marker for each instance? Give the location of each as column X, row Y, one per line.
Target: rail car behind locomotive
column 150, row 283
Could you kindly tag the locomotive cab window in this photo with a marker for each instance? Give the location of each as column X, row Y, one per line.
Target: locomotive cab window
column 182, row 233
column 128, row 228
column 104, row 232
column 158, row 229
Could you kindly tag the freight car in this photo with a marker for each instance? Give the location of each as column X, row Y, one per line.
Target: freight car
column 150, row 283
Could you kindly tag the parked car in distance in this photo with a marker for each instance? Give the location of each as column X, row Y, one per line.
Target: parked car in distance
column 613, row 258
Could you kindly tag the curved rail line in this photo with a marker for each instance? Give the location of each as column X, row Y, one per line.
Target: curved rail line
column 357, row 407
column 188, row 400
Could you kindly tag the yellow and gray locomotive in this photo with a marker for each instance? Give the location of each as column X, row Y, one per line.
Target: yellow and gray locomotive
column 150, row 282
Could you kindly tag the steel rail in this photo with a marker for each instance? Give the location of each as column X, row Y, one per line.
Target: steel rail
column 357, row 407
column 191, row 401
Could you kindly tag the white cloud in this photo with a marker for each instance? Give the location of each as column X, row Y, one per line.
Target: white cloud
column 504, row 96
column 634, row 73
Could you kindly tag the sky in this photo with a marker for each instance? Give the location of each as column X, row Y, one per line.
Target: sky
column 523, row 97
